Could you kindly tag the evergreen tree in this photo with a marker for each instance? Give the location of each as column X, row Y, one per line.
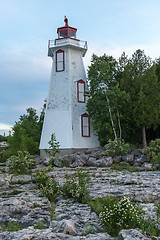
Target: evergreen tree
column 27, row 132
column 140, row 81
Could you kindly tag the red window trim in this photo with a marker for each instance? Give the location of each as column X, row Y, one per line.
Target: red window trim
column 87, row 116
column 80, row 81
column 60, row 51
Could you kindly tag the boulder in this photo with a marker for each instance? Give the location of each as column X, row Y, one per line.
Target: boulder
column 66, row 226
column 137, row 153
column 79, row 162
column 147, row 166
column 132, row 234
column 128, row 158
column 141, row 159
column 101, row 162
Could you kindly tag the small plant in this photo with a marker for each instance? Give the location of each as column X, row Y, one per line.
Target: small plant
column 53, row 149
column 15, row 192
column 21, row 164
column 19, row 181
column 116, row 147
column 124, row 166
column 11, row 227
column 157, row 205
column 76, row 186
column 53, row 215
column 153, row 151
column 39, row 225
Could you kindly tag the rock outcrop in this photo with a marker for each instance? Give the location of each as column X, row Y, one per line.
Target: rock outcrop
column 21, row 202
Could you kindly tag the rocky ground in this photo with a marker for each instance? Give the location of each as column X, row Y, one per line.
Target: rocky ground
column 21, row 202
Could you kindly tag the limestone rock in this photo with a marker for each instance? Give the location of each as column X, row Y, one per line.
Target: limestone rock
column 128, row 158
column 65, row 226
column 132, row 234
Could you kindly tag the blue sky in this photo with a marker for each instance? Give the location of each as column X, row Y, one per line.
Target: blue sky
column 109, row 26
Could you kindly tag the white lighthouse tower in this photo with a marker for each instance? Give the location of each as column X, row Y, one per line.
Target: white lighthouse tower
column 66, row 114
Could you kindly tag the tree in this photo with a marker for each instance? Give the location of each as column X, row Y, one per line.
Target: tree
column 104, row 98
column 26, row 133
column 140, row 81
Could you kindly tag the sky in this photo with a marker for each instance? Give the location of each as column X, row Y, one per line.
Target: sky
column 109, row 26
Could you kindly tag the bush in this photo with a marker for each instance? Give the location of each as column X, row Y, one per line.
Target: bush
column 153, row 151
column 21, row 164
column 47, row 185
column 11, row 227
column 98, row 204
column 51, row 190
column 76, row 186
column 116, row 147
column 42, row 177
column 4, row 154
column 39, row 225
column 120, row 215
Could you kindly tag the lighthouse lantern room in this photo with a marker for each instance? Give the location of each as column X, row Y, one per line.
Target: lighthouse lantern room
column 66, row 115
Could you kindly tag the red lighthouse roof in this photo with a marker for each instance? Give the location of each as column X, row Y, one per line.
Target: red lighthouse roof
column 66, row 31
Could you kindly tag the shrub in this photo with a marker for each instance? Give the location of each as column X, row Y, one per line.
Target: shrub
column 120, row 215
column 53, row 149
column 51, row 190
column 11, row 227
column 76, row 186
column 20, row 164
column 42, row 177
column 47, row 185
column 39, row 225
column 153, row 151
column 157, row 207
column 98, row 204
column 116, row 147
column 4, row 154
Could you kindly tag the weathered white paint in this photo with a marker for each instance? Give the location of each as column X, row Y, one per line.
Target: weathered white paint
column 63, row 111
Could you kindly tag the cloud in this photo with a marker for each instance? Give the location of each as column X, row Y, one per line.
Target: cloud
column 5, row 127
column 151, row 49
column 21, row 64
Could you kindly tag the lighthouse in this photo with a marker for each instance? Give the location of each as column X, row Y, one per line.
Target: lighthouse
column 66, row 115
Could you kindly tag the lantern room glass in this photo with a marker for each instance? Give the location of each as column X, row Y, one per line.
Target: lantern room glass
column 66, row 33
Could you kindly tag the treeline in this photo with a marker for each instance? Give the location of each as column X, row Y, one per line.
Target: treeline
column 26, row 133
column 124, row 97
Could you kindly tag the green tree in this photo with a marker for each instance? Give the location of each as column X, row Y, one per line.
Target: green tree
column 26, row 133
column 140, row 81
column 105, row 98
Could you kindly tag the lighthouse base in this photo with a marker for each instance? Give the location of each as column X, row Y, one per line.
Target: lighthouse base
column 63, row 152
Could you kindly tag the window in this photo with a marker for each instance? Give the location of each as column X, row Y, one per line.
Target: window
column 60, row 61
column 85, row 125
column 81, row 91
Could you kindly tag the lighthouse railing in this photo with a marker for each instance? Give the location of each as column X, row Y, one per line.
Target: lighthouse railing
column 69, row 41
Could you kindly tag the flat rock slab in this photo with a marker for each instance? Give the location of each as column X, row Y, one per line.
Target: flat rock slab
column 48, row 234
column 85, row 220
column 139, row 186
column 25, row 209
